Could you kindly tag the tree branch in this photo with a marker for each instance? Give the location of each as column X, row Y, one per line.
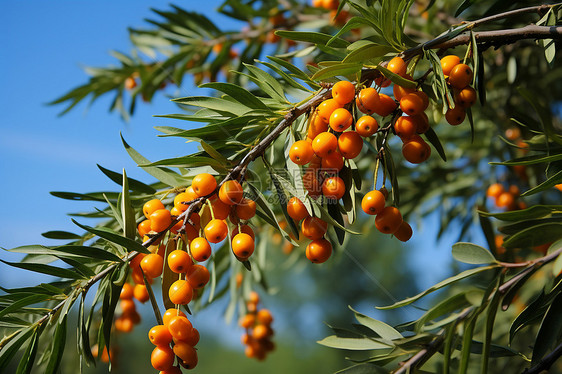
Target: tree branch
column 546, row 362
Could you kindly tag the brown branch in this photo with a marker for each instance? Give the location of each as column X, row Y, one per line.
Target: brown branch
column 541, row 10
column 546, row 362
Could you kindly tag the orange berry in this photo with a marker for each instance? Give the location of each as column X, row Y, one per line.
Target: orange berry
column 343, row 92
column 124, row 324
column 368, row 100
column 405, row 127
column 127, row 306
column 504, row 200
column 172, row 370
column 411, row 104
column 261, row 332
column 316, row 125
column 180, row 292
column 422, row 122
column 388, row 220
column 340, row 119
column 187, row 354
column 245, row 229
column 455, row 116
column 404, row 232
column 311, row 183
column 254, row 297
column 204, row 184
column 398, row 66
column 216, row 230
column 144, row 227
column 296, row 209
column 366, row 126
column 200, row 249
column 247, row 321
column 373, row 202
column 350, row 144
column 513, row 133
column 416, row 150
column 152, row 265
column 382, row 81
column 330, row 4
column 514, row 190
column 460, row 76
column 188, row 195
column 324, row 144
column 314, row 228
column 179, row 261
column 193, row 339
column 162, row 358
column 179, row 327
column 333, row 188
column 246, row 209
column 332, row 162
column 494, row 190
column 231, row 192
column 264, row 317
column 159, row 335
column 160, row 220
column 558, row 187
column 465, row 97
column 319, row 250
column 151, row 206
column 326, row 108
column 448, row 63
column 126, row 292
column 301, row 152
column 130, row 83
column 243, row 245
column 141, row 293
column 198, row 276
column 386, row 106
column 423, row 97
column 220, row 209
column 169, row 313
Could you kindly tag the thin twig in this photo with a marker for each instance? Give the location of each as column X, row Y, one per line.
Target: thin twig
column 546, row 362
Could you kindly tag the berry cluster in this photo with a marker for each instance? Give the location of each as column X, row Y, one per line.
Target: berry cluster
column 459, row 76
column 129, row 316
column 505, row 198
column 257, row 323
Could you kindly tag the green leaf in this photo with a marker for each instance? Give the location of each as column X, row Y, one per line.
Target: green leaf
column 134, row 184
column 530, row 160
column 268, row 83
column 355, row 344
column 535, row 235
column 220, row 105
column 75, row 250
column 130, row 245
column 238, row 93
column 385, row 331
column 11, row 344
column 343, row 69
column 431, row 136
column 549, row 332
column 313, row 37
column 490, row 319
column 214, row 153
column 370, row 52
column 395, row 78
column 61, row 235
column 26, row 361
column 446, row 306
column 467, row 343
column 547, row 184
column 533, row 212
column 45, row 269
column 127, row 212
column 58, row 345
column 446, row 282
column 472, row 254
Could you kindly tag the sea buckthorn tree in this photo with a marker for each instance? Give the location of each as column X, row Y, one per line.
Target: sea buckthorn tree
column 326, row 119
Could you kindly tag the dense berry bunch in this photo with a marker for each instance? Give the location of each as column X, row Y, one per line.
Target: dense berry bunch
column 257, row 323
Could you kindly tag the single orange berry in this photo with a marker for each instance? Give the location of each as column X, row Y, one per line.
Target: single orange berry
column 340, row 119
column 423, row 96
column 246, row 209
column 152, row 265
column 193, row 339
column 466, row 97
column 405, row 127
column 324, row 144
column 513, row 133
column 411, row 104
column 330, row 4
column 162, row 358
column 333, row 188
column 316, row 125
column 179, row 327
column 144, row 227
column 130, row 83
column 314, row 228
column 460, row 76
column 333, row 162
column 398, row 66
column 373, row 202
column 126, row 292
column 151, row 206
column 388, row 220
column 422, row 122
column 198, row 276
column 494, row 190
column 343, row 92
column 141, row 293
column 180, row 292
column 182, row 198
column 386, row 106
column 350, row 144
column 187, row 354
column 301, row 152
column 455, row 116
column 319, row 250
column 366, row 126
column 404, row 232
column 416, row 150
column 326, row 108
column 159, row 335
column 179, row 261
column 216, row 230
column 204, row 184
column 264, row 317
column 514, row 190
column 169, row 313
column 231, row 192
column 504, row 200
column 127, row 306
column 247, row 321
column 243, row 246
column 261, row 332
column 200, row 249
column 296, row 209
column 160, row 220
column 448, row 63
column 368, row 100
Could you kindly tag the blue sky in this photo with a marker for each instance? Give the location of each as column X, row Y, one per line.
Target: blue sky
column 45, row 44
